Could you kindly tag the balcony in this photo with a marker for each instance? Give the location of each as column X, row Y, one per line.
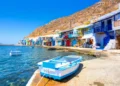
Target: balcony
column 88, row 32
column 61, row 36
column 117, row 23
column 102, row 29
column 72, row 35
column 98, row 29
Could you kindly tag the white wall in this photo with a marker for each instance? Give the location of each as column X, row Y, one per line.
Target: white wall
column 94, row 40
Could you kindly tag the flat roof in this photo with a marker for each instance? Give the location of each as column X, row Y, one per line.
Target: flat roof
column 66, row 30
column 83, row 26
column 109, row 15
column 51, row 35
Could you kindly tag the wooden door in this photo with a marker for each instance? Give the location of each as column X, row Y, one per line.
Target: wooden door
column 118, row 42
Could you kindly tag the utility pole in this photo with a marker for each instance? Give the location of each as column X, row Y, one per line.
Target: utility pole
column 71, row 20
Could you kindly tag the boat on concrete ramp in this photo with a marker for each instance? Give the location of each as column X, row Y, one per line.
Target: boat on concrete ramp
column 60, row 67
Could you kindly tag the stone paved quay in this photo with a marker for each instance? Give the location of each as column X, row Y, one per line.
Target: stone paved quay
column 88, row 51
column 103, row 71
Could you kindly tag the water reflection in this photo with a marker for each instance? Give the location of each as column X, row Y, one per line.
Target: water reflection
column 16, row 71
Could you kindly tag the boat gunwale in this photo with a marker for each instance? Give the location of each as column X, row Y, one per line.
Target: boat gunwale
column 63, row 67
column 58, row 77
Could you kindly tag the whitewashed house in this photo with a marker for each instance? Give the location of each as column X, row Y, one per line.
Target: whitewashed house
column 107, row 31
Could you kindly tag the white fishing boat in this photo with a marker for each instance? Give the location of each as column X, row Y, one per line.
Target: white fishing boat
column 60, row 67
column 15, row 53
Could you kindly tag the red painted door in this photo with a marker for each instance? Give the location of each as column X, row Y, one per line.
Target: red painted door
column 68, row 42
column 50, row 43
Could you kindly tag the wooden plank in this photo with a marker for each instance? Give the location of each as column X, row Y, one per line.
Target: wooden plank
column 42, row 81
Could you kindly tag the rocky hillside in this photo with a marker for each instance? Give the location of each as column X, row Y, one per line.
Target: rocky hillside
column 83, row 17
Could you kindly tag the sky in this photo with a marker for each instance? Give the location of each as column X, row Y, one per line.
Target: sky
column 18, row 18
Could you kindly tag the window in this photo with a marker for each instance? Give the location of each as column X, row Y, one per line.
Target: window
column 117, row 17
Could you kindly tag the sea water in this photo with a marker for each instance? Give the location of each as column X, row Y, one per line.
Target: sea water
column 17, row 70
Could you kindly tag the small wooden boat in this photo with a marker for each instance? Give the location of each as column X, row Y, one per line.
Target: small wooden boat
column 15, row 53
column 60, row 67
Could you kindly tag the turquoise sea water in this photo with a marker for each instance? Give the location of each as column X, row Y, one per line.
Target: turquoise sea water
column 17, row 70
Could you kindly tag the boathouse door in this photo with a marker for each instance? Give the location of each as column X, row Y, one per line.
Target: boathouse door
column 63, row 43
column 68, row 42
column 53, row 42
column 74, row 42
column 118, row 42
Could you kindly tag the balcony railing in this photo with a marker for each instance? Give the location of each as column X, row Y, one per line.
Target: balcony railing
column 102, row 29
column 97, row 29
column 88, row 32
column 116, row 23
column 72, row 35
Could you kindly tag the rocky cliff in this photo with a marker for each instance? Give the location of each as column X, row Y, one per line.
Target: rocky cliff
column 83, row 17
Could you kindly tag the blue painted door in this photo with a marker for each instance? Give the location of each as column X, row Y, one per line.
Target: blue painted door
column 53, row 43
column 74, row 42
column 109, row 23
column 63, row 43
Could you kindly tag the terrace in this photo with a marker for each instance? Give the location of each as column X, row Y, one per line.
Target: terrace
column 102, row 28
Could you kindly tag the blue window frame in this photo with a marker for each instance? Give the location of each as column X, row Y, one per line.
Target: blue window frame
column 117, row 17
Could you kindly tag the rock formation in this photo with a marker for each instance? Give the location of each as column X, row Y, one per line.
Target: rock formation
column 82, row 17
